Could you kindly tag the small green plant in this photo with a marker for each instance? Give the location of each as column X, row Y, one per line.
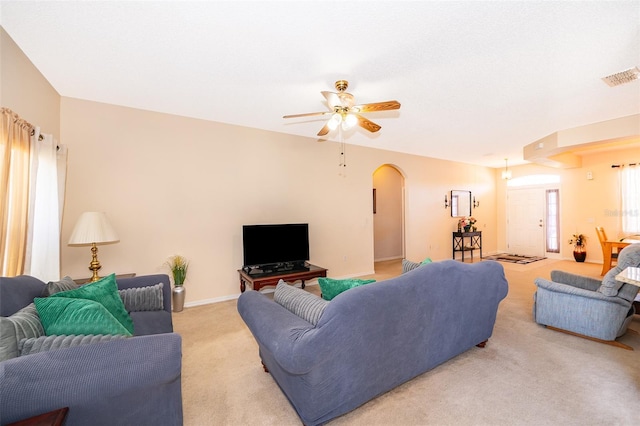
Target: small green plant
column 178, row 266
column 578, row 240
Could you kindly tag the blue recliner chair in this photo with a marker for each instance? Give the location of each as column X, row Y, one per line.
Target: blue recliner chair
column 599, row 310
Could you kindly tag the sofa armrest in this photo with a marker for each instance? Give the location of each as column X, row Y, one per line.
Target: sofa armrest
column 574, row 280
column 279, row 333
column 129, row 381
column 149, row 280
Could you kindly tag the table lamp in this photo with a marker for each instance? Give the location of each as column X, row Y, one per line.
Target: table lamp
column 93, row 228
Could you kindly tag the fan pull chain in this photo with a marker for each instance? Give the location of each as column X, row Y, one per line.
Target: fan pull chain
column 343, row 157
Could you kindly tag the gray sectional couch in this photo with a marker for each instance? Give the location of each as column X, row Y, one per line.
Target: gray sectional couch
column 125, row 381
column 375, row 337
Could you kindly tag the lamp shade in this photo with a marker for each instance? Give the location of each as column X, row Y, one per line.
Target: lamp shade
column 93, row 227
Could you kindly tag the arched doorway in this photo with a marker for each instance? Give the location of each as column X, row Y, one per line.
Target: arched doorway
column 388, row 218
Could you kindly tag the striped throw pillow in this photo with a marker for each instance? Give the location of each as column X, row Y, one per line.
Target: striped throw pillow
column 305, row 305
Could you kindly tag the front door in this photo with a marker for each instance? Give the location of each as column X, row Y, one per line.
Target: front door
column 525, row 221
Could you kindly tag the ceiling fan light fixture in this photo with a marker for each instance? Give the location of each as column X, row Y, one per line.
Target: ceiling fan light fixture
column 349, row 120
column 334, row 121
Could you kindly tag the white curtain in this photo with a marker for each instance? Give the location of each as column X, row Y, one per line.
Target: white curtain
column 630, row 188
column 48, row 175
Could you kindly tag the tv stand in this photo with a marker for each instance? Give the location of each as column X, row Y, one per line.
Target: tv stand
column 267, row 277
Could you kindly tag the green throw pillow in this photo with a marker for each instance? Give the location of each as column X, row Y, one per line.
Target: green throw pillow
column 427, row 260
column 67, row 316
column 105, row 292
column 331, row 287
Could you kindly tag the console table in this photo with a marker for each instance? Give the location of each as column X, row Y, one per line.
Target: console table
column 474, row 242
column 260, row 280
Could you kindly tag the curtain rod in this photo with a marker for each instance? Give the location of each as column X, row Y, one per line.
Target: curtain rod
column 41, row 138
column 616, row 166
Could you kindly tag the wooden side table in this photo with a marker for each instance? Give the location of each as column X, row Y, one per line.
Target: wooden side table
column 52, row 418
column 81, row 281
column 474, row 239
column 260, row 280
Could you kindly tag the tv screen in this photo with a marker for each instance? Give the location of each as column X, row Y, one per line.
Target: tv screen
column 272, row 244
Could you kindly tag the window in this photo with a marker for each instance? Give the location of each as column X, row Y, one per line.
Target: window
column 553, row 220
column 630, row 191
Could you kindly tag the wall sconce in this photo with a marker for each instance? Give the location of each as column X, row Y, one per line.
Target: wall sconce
column 476, row 204
column 506, row 173
column 446, row 202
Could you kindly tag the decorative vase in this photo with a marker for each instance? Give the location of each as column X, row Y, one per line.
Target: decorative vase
column 579, row 254
column 467, row 228
column 177, row 298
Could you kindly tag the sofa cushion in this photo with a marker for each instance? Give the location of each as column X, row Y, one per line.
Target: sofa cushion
column 69, row 316
column 50, row 343
column 408, row 265
column 139, row 299
column 23, row 324
column 302, row 303
column 53, row 287
column 332, row 287
column 105, row 292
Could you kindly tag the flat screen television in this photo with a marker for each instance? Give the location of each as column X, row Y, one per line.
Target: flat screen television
column 281, row 246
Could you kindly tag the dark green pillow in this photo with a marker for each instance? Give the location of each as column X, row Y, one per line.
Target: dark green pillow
column 67, row 316
column 331, row 287
column 105, row 292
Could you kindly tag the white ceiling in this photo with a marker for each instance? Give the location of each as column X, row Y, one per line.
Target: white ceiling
column 477, row 80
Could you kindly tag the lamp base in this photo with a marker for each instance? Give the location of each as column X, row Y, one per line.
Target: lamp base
column 94, row 266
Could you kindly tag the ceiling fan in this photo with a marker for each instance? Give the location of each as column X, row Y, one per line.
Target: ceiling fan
column 344, row 112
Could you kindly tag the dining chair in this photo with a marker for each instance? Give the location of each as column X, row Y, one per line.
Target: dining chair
column 610, row 249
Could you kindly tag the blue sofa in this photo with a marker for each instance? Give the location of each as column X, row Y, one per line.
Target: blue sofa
column 133, row 380
column 375, row 337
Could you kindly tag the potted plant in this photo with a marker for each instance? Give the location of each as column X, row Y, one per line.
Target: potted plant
column 178, row 266
column 579, row 242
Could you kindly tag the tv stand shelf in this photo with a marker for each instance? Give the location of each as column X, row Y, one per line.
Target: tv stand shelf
column 261, row 280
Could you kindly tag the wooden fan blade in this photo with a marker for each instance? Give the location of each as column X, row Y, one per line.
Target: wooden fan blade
column 367, row 124
column 308, row 114
column 324, row 130
column 377, row 106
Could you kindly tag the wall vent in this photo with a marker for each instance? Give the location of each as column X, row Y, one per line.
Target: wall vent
column 622, row 77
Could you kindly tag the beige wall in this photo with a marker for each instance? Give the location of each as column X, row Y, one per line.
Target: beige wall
column 25, row 91
column 177, row 185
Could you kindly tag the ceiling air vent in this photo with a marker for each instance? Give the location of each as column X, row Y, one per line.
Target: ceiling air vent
column 622, row 77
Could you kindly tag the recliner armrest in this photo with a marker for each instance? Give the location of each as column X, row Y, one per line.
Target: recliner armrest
column 577, row 291
column 575, row 280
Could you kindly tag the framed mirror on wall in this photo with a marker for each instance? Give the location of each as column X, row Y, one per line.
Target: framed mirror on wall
column 460, row 203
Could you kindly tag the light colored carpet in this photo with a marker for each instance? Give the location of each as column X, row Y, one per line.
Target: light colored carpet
column 526, row 375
